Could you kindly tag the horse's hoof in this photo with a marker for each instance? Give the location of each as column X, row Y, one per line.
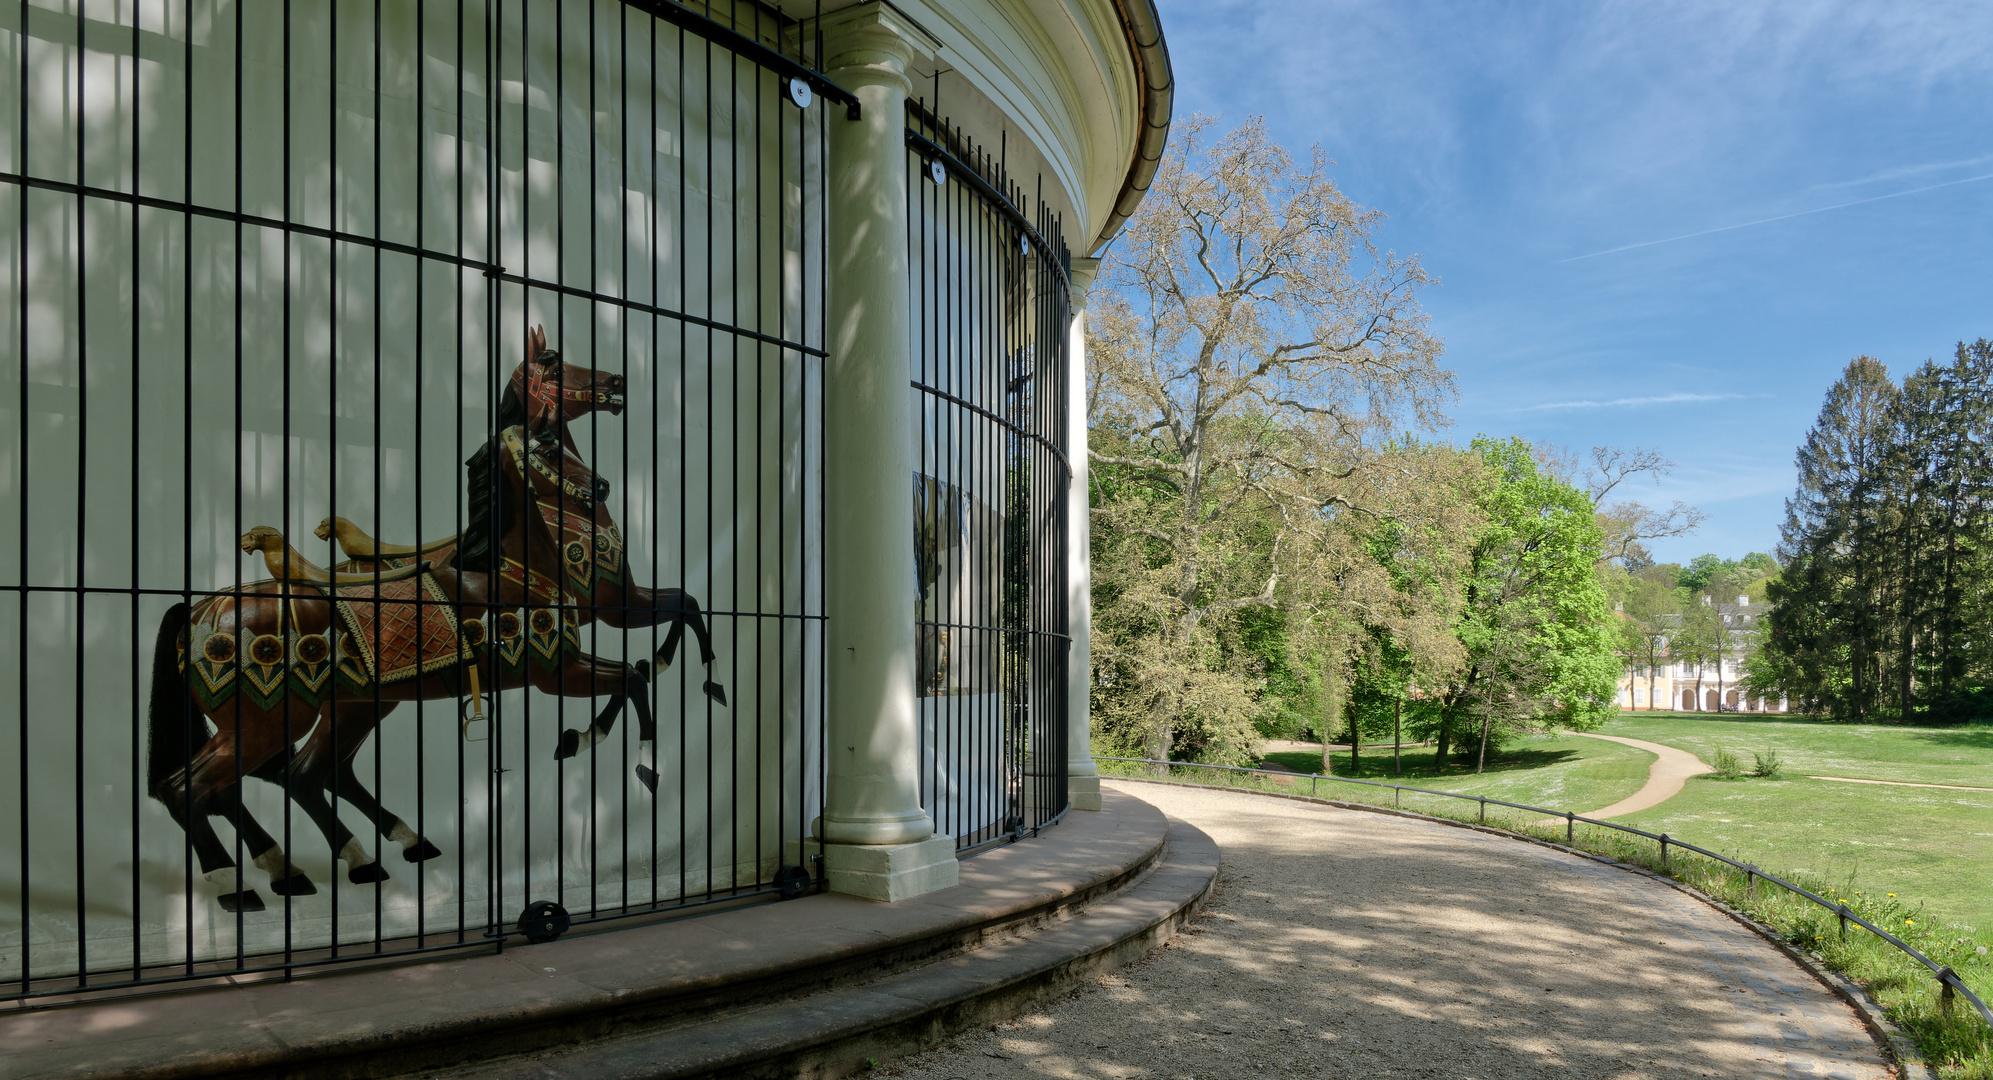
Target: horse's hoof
column 716, row 692
column 371, row 874
column 643, row 669
column 421, row 851
column 295, row 885
column 648, row 778
column 570, row 744
column 245, row 901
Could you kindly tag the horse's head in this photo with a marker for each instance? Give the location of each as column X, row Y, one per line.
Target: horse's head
column 555, row 391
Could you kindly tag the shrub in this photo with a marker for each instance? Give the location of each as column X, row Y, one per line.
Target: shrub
column 1727, row 766
column 1767, row 765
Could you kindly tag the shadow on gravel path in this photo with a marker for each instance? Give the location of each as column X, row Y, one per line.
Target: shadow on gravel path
column 1346, row 944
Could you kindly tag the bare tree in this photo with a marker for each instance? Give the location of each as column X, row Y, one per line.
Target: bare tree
column 1628, row 524
column 1252, row 349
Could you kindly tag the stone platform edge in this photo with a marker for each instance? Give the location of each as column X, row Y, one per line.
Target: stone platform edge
column 1896, row 1044
column 389, row 1020
column 855, row 1029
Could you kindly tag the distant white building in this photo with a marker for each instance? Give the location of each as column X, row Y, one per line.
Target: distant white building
column 1700, row 688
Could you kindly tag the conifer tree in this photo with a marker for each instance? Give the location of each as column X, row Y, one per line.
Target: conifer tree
column 1825, row 615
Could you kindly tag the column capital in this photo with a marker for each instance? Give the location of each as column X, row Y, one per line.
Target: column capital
column 872, row 44
column 1081, row 275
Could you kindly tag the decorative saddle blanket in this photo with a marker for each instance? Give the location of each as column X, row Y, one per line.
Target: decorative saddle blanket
column 400, row 629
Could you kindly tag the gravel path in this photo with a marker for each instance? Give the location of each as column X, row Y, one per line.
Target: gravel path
column 1671, row 769
column 1339, row 943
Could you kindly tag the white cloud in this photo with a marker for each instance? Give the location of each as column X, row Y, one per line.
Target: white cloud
column 1660, row 399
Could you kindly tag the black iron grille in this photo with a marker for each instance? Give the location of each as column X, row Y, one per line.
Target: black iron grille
column 271, row 263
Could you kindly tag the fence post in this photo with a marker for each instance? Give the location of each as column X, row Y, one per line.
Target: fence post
column 1843, row 915
column 1484, row 809
column 1751, row 882
column 1395, row 792
column 1945, row 992
column 1570, row 827
column 1664, row 852
column 1312, row 792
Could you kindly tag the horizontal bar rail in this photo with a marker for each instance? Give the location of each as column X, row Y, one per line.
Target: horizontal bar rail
column 1948, row 980
column 968, row 174
column 1009, row 425
column 428, row 254
column 740, row 44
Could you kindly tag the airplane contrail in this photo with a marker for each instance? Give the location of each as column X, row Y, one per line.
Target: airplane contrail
column 1781, row 217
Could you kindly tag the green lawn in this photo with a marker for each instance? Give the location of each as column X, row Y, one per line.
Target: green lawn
column 1956, row 755
column 1928, row 845
column 1560, row 772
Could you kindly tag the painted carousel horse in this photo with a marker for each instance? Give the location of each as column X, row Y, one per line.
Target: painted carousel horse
column 331, row 652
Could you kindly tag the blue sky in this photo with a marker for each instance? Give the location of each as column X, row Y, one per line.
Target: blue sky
column 1663, row 225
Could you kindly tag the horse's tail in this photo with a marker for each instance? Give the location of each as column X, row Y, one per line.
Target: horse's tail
column 170, row 733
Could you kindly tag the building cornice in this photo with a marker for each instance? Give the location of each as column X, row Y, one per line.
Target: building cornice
column 1156, row 92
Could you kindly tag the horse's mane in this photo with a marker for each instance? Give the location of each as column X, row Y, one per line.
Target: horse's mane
column 488, row 496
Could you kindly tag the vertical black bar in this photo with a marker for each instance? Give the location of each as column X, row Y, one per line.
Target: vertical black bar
column 82, row 500
column 656, row 256
column 494, row 39
column 21, row 630
column 374, row 840
column 484, row 615
column 626, row 291
column 236, row 842
column 333, row 221
column 734, row 345
column 186, row 444
column 560, row 335
column 284, row 620
column 493, row 256
column 421, row 328
column 137, row 910
column 712, row 314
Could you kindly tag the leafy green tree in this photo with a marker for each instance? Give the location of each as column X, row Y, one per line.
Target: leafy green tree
column 1535, row 630
column 1699, row 641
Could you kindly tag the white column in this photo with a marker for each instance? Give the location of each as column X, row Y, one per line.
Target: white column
column 1082, row 778
column 878, row 841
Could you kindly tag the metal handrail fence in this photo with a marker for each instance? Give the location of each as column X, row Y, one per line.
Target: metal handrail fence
column 1948, row 981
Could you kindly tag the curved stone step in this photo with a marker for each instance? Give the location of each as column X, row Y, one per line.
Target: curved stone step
column 838, row 1032
column 610, row 984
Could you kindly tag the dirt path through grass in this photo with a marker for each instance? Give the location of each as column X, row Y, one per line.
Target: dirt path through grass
column 1339, row 943
column 1671, row 769
column 1896, row 783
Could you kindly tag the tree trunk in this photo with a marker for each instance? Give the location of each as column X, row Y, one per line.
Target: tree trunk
column 1397, row 734
column 1650, row 674
column 1355, row 743
column 1482, row 762
column 1444, row 739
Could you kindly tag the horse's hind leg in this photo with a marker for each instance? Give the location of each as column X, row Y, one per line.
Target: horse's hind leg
column 357, row 720
column 267, row 854
column 204, row 789
column 217, row 865
column 593, row 676
column 681, row 609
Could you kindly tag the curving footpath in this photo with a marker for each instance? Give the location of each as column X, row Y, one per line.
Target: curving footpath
column 1671, row 769
column 1340, row 943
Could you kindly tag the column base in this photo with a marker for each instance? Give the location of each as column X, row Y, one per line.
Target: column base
column 1084, row 791
column 892, row 872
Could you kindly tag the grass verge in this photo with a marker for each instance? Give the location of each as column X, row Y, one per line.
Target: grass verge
column 1953, row 1039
